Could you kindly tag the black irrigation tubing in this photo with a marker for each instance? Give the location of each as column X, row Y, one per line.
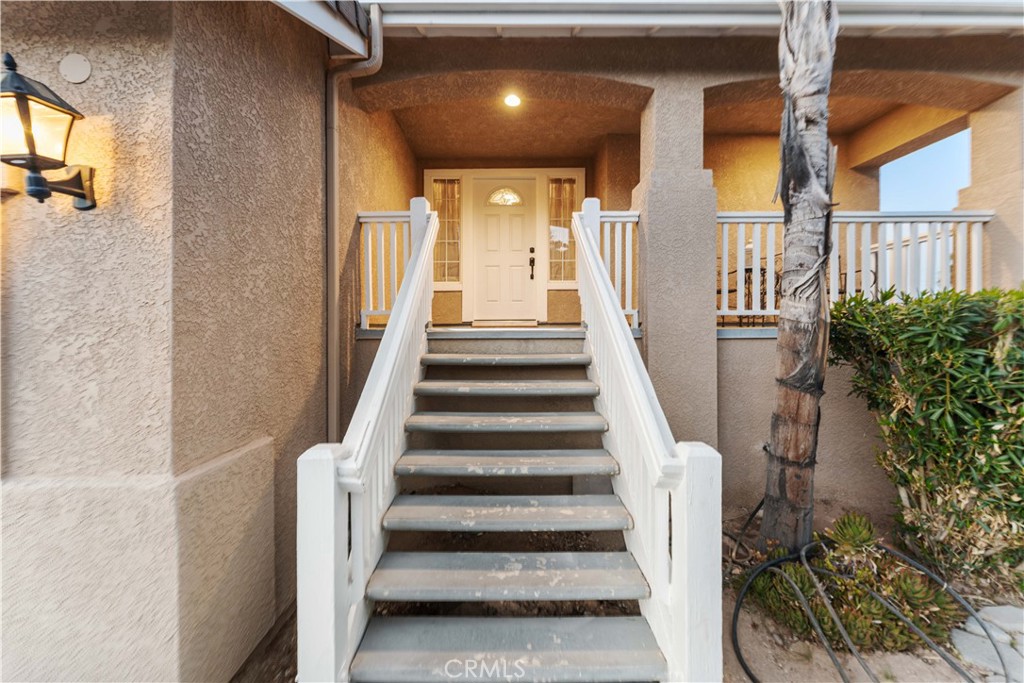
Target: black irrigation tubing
column 832, row 613
column 814, row 622
column 772, row 565
column 910, row 624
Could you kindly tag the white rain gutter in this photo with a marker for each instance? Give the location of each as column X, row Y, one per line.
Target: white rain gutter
column 337, row 71
column 994, row 15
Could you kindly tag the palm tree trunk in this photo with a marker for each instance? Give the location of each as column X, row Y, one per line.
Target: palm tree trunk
column 806, row 50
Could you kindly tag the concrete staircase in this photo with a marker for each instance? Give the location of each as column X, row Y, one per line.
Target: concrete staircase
column 505, row 558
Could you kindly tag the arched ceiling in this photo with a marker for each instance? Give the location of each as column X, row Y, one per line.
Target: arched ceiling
column 462, row 115
column 857, row 98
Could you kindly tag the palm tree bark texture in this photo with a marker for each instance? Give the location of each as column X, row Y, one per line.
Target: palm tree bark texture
column 806, row 51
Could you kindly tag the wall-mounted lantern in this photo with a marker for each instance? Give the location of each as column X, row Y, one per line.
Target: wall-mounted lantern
column 36, row 125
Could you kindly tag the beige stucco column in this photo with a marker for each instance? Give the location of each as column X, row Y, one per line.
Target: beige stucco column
column 676, row 201
column 162, row 353
column 997, row 135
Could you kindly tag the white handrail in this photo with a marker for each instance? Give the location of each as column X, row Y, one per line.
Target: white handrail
column 336, row 553
column 606, row 311
column 672, row 490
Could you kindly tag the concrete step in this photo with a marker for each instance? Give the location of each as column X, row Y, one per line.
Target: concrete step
column 482, row 577
column 478, row 387
column 506, row 463
column 505, row 359
column 506, row 333
column 529, row 650
column 506, row 422
column 507, row 513
column 501, row 347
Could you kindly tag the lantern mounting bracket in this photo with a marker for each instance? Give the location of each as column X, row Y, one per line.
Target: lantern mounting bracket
column 75, row 181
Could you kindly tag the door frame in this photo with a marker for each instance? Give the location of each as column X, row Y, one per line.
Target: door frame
column 467, row 177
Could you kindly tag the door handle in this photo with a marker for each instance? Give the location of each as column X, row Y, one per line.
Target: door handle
column 533, row 262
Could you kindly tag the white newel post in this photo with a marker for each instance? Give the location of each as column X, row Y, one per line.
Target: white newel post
column 322, row 574
column 592, row 217
column 696, row 578
column 419, row 207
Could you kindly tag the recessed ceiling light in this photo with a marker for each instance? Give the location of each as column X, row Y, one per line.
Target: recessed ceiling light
column 513, row 100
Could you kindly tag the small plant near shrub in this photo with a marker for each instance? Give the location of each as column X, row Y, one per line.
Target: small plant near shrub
column 944, row 374
column 850, row 566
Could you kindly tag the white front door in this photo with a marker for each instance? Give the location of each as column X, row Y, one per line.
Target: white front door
column 504, row 235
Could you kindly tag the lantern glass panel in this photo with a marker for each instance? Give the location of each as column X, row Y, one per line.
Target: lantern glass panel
column 13, row 141
column 50, row 129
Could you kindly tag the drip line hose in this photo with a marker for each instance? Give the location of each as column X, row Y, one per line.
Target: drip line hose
column 801, row 557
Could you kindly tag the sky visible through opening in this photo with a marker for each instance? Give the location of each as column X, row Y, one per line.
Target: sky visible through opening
column 928, row 179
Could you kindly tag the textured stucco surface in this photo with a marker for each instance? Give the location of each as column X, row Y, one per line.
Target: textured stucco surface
column 226, row 558
column 997, row 182
column 249, row 244
column 376, row 171
column 90, row 577
column 190, row 302
column 745, row 170
column 446, row 308
column 848, row 436
column 86, row 296
column 563, row 306
column 904, row 130
column 617, row 171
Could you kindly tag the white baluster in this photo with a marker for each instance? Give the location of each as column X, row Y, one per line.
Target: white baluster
column 755, row 282
column 770, row 265
column 914, row 260
column 851, row 259
column 961, row 257
column 897, row 257
column 741, row 266
column 724, row 298
column 976, row 255
column 867, row 261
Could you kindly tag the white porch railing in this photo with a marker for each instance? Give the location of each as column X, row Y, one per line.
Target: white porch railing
column 616, row 240
column 384, row 240
column 871, row 252
column 672, row 490
column 336, row 551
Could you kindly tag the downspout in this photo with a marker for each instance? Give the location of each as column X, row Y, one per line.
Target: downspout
column 336, row 72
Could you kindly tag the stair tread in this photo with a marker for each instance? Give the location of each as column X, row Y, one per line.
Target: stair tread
column 506, row 333
column 550, row 462
column 554, row 649
column 465, row 576
column 444, row 421
column 478, row 387
column 526, row 359
column 507, row 513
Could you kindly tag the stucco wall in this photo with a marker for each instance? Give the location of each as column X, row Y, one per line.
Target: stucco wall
column 86, row 296
column 375, row 172
column 846, row 471
column 248, row 294
column 997, row 179
column 162, row 354
column 745, row 169
column 616, row 171
column 89, row 549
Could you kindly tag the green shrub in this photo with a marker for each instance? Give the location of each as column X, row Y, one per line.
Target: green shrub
column 851, row 568
column 944, row 374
